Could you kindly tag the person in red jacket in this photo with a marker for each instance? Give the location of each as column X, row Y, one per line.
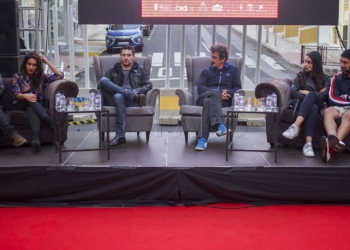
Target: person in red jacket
column 339, row 101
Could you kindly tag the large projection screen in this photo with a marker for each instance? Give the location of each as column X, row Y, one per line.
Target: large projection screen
column 286, row 12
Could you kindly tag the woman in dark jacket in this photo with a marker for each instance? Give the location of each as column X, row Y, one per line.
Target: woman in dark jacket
column 28, row 92
column 309, row 86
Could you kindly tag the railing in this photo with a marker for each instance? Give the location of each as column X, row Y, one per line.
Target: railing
column 330, row 55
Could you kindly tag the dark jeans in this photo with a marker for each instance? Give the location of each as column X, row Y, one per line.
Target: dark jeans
column 114, row 95
column 212, row 113
column 6, row 128
column 36, row 112
column 310, row 107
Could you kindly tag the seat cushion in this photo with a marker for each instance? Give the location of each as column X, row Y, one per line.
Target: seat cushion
column 133, row 111
column 190, row 110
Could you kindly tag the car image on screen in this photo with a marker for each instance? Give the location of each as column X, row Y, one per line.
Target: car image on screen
column 119, row 35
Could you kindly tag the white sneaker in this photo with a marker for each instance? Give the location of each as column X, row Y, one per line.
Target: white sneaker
column 308, row 151
column 292, row 132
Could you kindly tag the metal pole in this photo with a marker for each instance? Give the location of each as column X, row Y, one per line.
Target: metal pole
column 37, row 48
column 267, row 33
column 86, row 57
column 348, row 43
column 167, row 60
column 244, row 48
column 182, row 55
column 229, row 32
column 55, row 35
column 275, row 35
column 45, row 25
column 198, row 51
column 318, row 37
column 213, row 37
column 258, row 56
column 71, row 41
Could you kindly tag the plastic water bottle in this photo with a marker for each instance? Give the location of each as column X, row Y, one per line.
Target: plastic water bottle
column 236, row 100
column 274, row 101
column 268, row 103
column 98, row 101
column 91, row 100
column 62, row 103
column 241, row 102
column 57, row 100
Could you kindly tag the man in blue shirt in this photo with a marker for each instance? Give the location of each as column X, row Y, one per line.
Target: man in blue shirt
column 216, row 87
column 339, row 101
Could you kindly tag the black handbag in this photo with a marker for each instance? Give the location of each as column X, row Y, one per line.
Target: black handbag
column 294, row 104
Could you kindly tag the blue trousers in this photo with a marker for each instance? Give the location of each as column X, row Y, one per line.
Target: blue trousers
column 310, row 107
column 6, row 128
column 114, row 95
column 212, row 113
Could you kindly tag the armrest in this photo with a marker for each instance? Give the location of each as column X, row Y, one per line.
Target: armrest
column 68, row 88
column 280, row 86
column 185, row 98
column 151, row 97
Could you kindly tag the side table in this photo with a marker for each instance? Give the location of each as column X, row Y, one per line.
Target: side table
column 229, row 136
column 102, row 145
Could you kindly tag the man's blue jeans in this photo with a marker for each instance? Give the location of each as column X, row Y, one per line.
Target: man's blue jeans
column 212, row 113
column 6, row 128
column 114, row 95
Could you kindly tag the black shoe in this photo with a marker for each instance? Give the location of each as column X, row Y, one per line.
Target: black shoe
column 139, row 99
column 334, row 143
column 36, row 141
column 117, row 141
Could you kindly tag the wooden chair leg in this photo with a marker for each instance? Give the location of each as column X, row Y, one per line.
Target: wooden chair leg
column 186, row 137
column 103, row 136
column 147, row 136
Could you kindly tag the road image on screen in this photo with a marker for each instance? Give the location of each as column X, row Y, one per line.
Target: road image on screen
column 210, row 8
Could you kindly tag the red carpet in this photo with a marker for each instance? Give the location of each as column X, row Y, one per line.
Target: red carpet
column 168, row 228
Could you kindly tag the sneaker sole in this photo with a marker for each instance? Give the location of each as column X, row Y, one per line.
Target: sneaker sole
column 219, row 133
column 335, row 144
column 19, row 144
column 310, row 155
column 290, row 137
column 200, row 149
column 324, row 149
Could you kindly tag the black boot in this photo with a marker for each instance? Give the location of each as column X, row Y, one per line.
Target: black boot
column 49, row 121
column 36, row 140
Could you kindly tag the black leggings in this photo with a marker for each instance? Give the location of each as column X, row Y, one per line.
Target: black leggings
column 36, row 112
column 309, row 109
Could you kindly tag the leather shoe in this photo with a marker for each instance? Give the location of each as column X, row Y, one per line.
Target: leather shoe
column 117, row 141
column 140, row 99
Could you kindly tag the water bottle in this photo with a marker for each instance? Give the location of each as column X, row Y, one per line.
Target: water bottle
column 236, row 100
column 91, row 100
column 241, row 102
column 62, row 103
column 274, row 101
column 268, row 103
column 57, row 100
column 98, row 98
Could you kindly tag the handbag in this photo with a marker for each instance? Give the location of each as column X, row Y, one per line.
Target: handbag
column 294, row 104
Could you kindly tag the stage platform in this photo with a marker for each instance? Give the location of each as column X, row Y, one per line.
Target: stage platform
column 166, row 171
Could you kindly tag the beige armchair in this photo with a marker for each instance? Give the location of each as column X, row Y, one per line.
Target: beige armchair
column 137, row 119
column 191, row 115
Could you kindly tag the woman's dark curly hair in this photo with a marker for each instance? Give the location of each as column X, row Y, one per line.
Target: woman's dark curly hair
column 38, row 74
column 317, row 73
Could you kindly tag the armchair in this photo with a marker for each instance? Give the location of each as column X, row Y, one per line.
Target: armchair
column 137, row 119
column 19, row 118
column 191, row 115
